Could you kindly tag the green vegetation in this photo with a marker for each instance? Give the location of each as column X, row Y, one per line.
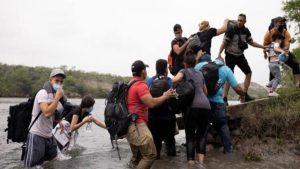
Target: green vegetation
column 277, row 117
column 292, row 11
column 24, row 81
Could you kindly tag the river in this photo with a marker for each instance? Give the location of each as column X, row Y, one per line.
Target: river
column 94, row 150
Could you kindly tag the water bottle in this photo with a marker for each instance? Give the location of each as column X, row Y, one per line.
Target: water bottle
column 89, row 127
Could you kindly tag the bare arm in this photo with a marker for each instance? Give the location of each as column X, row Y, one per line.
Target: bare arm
column 178, row 50
column 74, row 123
column 49, row 109
column 257, row 45
column 177, row 78
column 279, row 50
column 151, row 102
column 98, row 122
column 223, row 28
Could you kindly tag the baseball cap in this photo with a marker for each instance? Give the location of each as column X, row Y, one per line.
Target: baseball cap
column 56, row 72
column 177, row 27
column 137, row 67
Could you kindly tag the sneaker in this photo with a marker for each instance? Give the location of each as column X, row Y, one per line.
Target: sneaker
column 225, row 101
column 273, row 94
column 248, row 98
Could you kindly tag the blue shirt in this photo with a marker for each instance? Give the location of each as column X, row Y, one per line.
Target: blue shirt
column 225, row 75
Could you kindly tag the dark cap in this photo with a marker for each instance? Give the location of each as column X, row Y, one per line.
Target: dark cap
column 177, row 27
column 279, row 19
column 56, row 72
column 137, row 67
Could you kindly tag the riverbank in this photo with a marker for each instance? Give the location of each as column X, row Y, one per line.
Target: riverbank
column 269, row 129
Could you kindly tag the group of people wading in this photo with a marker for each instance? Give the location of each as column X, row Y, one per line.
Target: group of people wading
column 156, row 122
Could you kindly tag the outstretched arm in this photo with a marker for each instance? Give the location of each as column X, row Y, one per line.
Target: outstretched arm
column 257, row 45
column 98, row 122
column 223, row 28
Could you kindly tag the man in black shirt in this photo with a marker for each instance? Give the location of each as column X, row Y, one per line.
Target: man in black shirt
column 178, row 46
column 206, row 33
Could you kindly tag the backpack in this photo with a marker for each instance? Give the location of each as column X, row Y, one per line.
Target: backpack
column 116, row 116
column 18, row 121
column 159, row 85
column 185, row 90
column 210, row 72
column 195, row 43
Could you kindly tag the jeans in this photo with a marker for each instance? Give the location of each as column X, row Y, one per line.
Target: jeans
column 282, row 58
column 220, row 123
column 275, row 71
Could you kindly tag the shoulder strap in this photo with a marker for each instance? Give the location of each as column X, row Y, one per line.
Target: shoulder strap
column 35, row 119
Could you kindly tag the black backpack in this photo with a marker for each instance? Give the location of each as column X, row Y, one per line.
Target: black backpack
column 210, row 72
column 116, row 116
column 157, row 88
column 18, row 121
column 159, row 85
column 186, row 92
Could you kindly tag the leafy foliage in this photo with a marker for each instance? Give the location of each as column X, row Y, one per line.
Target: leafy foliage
column 292, row 11
column 23, row 81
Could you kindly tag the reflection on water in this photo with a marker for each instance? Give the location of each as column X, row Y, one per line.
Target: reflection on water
column 94, row 150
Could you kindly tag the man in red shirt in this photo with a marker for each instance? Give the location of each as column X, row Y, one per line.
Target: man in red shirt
column 138, row 135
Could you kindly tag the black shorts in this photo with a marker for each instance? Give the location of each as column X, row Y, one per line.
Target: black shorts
column 292, row 63
column 240, row 61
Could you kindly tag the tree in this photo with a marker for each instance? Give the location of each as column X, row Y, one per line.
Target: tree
column 292, row 11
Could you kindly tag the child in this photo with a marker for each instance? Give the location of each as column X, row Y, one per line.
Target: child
column 277, row 56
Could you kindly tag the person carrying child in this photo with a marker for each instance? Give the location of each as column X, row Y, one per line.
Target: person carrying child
column 277, row 56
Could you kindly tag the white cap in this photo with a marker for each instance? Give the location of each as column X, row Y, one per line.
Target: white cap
column 55, row 72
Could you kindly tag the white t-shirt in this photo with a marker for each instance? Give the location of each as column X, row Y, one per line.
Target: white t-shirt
column 43, row 126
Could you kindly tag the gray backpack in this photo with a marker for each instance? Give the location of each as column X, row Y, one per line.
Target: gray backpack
column 195, row 43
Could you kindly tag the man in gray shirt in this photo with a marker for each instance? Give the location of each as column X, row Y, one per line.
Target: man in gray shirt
column 41, row 145
column 236, row 40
